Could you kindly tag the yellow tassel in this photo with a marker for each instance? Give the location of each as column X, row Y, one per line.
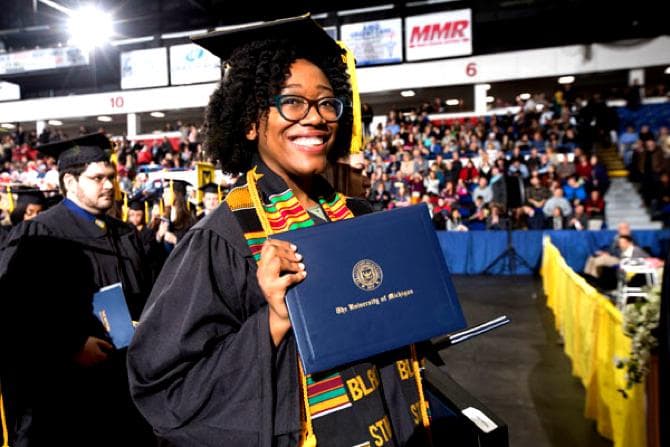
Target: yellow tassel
column 357, row 127
column 425, row 419
column 124, row 208
column 146, row 212
column 10, row 199
column 5, row 433
column 307, row 436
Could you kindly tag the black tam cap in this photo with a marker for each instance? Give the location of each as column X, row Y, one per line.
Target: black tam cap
column 301, row 29
column 180, row 186
column 30, row 197
column 86, row 149
column 136, row 204
column 210, row 187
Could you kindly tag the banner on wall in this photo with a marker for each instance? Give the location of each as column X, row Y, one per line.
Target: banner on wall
column 144, row 68
column 190, row 64
column 42, row 59
column 438, row 35
column 375, row 42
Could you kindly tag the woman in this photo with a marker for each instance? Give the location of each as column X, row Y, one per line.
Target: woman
column 177, row 219
column 213, row 361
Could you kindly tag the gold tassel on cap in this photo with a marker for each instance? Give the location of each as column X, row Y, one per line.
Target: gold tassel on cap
column 357, row 127
column 10, row 199
column 124, row 208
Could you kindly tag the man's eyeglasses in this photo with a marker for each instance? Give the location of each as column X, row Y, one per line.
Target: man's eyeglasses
column 295, row 108
column 99, row 179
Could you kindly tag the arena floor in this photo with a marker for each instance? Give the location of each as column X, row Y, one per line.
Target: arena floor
column 520, row 371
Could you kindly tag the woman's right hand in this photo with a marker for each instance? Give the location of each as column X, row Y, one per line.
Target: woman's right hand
column 279, row 268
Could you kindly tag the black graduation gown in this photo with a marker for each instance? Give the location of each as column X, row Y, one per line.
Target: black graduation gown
column 154, row 250
column 202, row 366
column 49, row 270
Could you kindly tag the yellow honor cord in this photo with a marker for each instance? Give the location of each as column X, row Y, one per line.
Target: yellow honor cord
column 307, row 436
column 425, row 420
column 5, row 433
column 357, row 126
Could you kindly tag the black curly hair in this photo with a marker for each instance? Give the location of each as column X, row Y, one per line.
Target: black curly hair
column 257, row 72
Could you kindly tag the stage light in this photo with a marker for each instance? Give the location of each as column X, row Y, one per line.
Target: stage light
column 524, row 96
column 667, row 71
column 7, row 126
column 566, row 79
column 89, row 27
column 157, row 114
column 490, row 99
column 407, row 93
column 487, row 86
column 453, row 102
column 105, row 119
column 55, row 123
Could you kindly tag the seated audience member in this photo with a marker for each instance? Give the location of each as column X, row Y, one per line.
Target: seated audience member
column 379, row 197
column 536, row 194
column 565, row 168
column 531, row 218
column 498, row 187
column 595, row 205
column 609, row 258
column 432, row 183
column 479, row 211
column 574, row 190
column 469, row 173
column 483, row 190
column 583, row 168
column 407, row 165
column 402, row 196
column 579, row 219
column 497, row 220
column 534, row 161
column 557, row 220
column 557, row 200
column 518, row 169
column 455, row 221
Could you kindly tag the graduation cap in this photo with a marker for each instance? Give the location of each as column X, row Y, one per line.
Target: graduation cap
column 30, row 197
column 86, row 149
column 179, row 186
column 209, row 188
column 302, row 30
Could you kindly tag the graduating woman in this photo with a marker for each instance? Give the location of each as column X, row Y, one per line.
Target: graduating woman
column 214, row 360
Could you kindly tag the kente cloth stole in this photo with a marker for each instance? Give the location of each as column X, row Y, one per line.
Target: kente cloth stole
column 264, row 205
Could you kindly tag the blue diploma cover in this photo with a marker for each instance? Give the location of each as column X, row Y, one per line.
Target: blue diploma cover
column 109, row 305
column 374, row 283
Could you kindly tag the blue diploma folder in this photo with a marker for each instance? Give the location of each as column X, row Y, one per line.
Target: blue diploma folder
column 374, row 283
column 109, row 305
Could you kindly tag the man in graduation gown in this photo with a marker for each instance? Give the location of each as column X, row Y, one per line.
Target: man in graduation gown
column 137, row 216
column 63, row 381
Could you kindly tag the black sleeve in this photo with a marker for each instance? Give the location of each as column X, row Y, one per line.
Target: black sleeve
column 47, row 288
column 201, row 361
column 359, row 206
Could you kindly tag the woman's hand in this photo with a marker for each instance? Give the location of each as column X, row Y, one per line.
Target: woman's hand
column 278, row 269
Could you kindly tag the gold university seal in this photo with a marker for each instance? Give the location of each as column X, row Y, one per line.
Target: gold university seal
column 367, row 275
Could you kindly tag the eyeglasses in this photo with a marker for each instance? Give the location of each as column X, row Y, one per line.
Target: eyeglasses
column 99, row 179
column 295, row 108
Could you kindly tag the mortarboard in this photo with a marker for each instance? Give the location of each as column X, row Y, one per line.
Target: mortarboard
column 209, row 188
column 301, row 29
column 86, row 149
column 179, row 186
column 30, row 197
column 136, row 204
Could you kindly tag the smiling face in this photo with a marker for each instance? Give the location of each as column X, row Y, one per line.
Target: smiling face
column 297, row 149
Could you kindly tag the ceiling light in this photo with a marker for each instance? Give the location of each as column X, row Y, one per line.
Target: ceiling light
column 157, row 114
column 55, row 123
column 490, row 99
column 453, row 102
column 131, row 41
column 524, row 96
column 487, row 86
column 105, row 119
column 407, row 93
column 566, row 79
column 667, row 71
column 7, row 125
column 182, row 34
column 89, row 27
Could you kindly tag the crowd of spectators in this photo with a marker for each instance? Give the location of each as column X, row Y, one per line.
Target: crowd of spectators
column 535, row 169
column 646, row 155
